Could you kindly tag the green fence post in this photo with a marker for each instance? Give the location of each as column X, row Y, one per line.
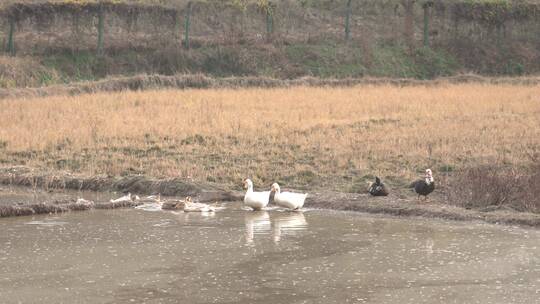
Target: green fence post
column 187, row 25
column 348, row 21
column 426, row 6
column 269, row 21
column 11, row 38
column 101, row 30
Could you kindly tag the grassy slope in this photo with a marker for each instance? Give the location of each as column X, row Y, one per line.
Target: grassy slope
column 285, row 61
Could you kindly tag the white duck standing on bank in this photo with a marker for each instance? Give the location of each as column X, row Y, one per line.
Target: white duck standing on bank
column 293, row 201
column 255, row 200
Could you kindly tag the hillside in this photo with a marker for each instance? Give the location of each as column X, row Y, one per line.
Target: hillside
column 59, row 42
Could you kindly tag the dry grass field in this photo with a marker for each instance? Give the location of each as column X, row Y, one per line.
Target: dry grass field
column 332, row 138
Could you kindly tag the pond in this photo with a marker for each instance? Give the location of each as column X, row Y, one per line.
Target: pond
column 274, row 256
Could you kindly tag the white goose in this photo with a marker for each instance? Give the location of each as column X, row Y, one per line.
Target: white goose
column 255, row 200
column 289, row 200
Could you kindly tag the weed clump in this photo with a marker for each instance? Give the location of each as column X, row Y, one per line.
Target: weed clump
column 492, row 187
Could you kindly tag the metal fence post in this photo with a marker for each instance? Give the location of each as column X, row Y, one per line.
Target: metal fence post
column 11, row 37
column 101, row 30
column 187, row 25
column 426, row 6
column 348, row 21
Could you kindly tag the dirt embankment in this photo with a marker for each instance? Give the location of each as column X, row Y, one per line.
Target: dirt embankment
column 153, row 82
column 22, row 176
column 407, row 206
column 399, row 203
column 60, row 206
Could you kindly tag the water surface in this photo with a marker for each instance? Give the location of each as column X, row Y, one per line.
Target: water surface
column 235, row 256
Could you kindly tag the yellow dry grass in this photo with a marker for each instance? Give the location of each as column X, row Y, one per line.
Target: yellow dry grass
column 317, row 137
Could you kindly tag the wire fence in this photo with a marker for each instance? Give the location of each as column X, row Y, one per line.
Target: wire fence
column 102, row 26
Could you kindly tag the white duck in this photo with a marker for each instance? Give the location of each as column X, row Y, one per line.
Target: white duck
column 255, row 200
column 190, row 206
column 289, row 200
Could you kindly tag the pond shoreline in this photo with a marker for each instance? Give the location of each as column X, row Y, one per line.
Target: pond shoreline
column 400, row 203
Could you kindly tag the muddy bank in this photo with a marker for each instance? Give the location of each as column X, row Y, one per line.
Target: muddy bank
column 26, row 177
column 22, row 176
column 401, row 202
column 152, row 82
column 59, row 206
column 404, row 204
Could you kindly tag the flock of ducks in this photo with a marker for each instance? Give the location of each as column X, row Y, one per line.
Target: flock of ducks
column 252, row 199
column 295, row 201
column 259, row 200
column 422, row 187
column 289, row 200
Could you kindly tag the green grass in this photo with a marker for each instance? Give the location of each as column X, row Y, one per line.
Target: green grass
column 392, row 61
column 82, row 65
column 430, row 63
column 326, row 59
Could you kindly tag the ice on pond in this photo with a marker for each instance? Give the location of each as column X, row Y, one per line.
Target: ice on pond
column 271, row 256
column 46, row 223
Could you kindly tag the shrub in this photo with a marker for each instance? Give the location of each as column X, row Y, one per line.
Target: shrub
column 494, row 187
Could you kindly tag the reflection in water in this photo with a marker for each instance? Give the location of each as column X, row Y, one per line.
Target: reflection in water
column 256, row 222
column 429, row 246
column 46, row 223
column 279, row 224
column 287, row 223
column 196, row 217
